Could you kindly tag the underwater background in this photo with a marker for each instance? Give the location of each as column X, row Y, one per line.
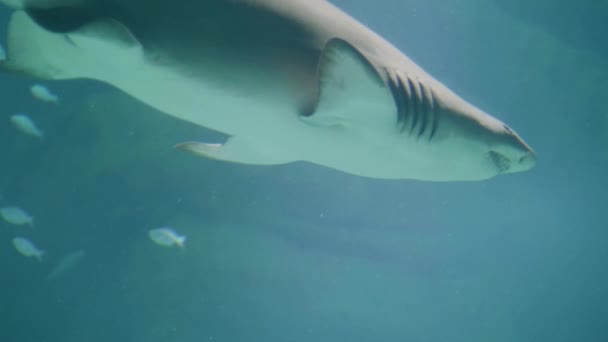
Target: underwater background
column 304, row 253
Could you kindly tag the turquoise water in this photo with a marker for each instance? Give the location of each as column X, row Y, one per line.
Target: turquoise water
column 303, row 253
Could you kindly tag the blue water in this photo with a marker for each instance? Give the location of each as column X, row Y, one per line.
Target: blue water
column 303, row 253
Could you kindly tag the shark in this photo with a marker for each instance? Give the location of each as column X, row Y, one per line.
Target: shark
column 285, row 81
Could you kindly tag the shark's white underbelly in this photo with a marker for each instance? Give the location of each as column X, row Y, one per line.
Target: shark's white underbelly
column 268, row 120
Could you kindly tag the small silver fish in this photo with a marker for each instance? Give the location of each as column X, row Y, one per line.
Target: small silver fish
column 43, row 94
column 16, row 216
column 27, row 248
column 166, row 237
column 26, row 125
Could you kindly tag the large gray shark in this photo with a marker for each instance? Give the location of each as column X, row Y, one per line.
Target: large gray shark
column 286, row 80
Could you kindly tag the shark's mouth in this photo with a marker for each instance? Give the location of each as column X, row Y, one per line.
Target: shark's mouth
column 502, row 163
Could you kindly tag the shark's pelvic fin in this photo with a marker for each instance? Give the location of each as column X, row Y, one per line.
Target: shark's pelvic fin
column 344, row 75
column 87, row 52
column 234, row 150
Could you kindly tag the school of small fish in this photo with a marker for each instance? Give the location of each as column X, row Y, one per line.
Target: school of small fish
column 14, row 215
column 23, row 122
column 17, row 216
column 164, row 236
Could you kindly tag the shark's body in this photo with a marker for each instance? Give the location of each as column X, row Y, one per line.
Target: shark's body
column 287, row 80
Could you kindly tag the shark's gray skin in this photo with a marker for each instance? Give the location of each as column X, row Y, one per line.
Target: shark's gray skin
column 287, row 80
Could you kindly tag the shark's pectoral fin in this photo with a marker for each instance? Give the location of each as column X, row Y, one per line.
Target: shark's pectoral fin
column 93, row 50
column 235, row 150
column 350, row 90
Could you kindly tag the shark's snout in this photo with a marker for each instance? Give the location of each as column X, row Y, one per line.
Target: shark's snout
column 527, row 156
column 528, row 160
column 514, row 155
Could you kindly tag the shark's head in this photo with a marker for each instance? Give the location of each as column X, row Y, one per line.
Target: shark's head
column 479, row 145
column 508, row 153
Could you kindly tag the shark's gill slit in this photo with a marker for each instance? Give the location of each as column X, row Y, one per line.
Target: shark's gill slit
column 428, row 107
column 407, row 95
column 425, row 109
column 415, row 101
column 434, row 113
column 396, row 87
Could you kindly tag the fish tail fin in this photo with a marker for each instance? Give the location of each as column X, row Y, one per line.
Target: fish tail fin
column 40, row 256
column 44, row 44
column 181, row 241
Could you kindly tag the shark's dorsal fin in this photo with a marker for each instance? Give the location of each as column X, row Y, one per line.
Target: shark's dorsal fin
column 345, row 75
column 87, row 52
